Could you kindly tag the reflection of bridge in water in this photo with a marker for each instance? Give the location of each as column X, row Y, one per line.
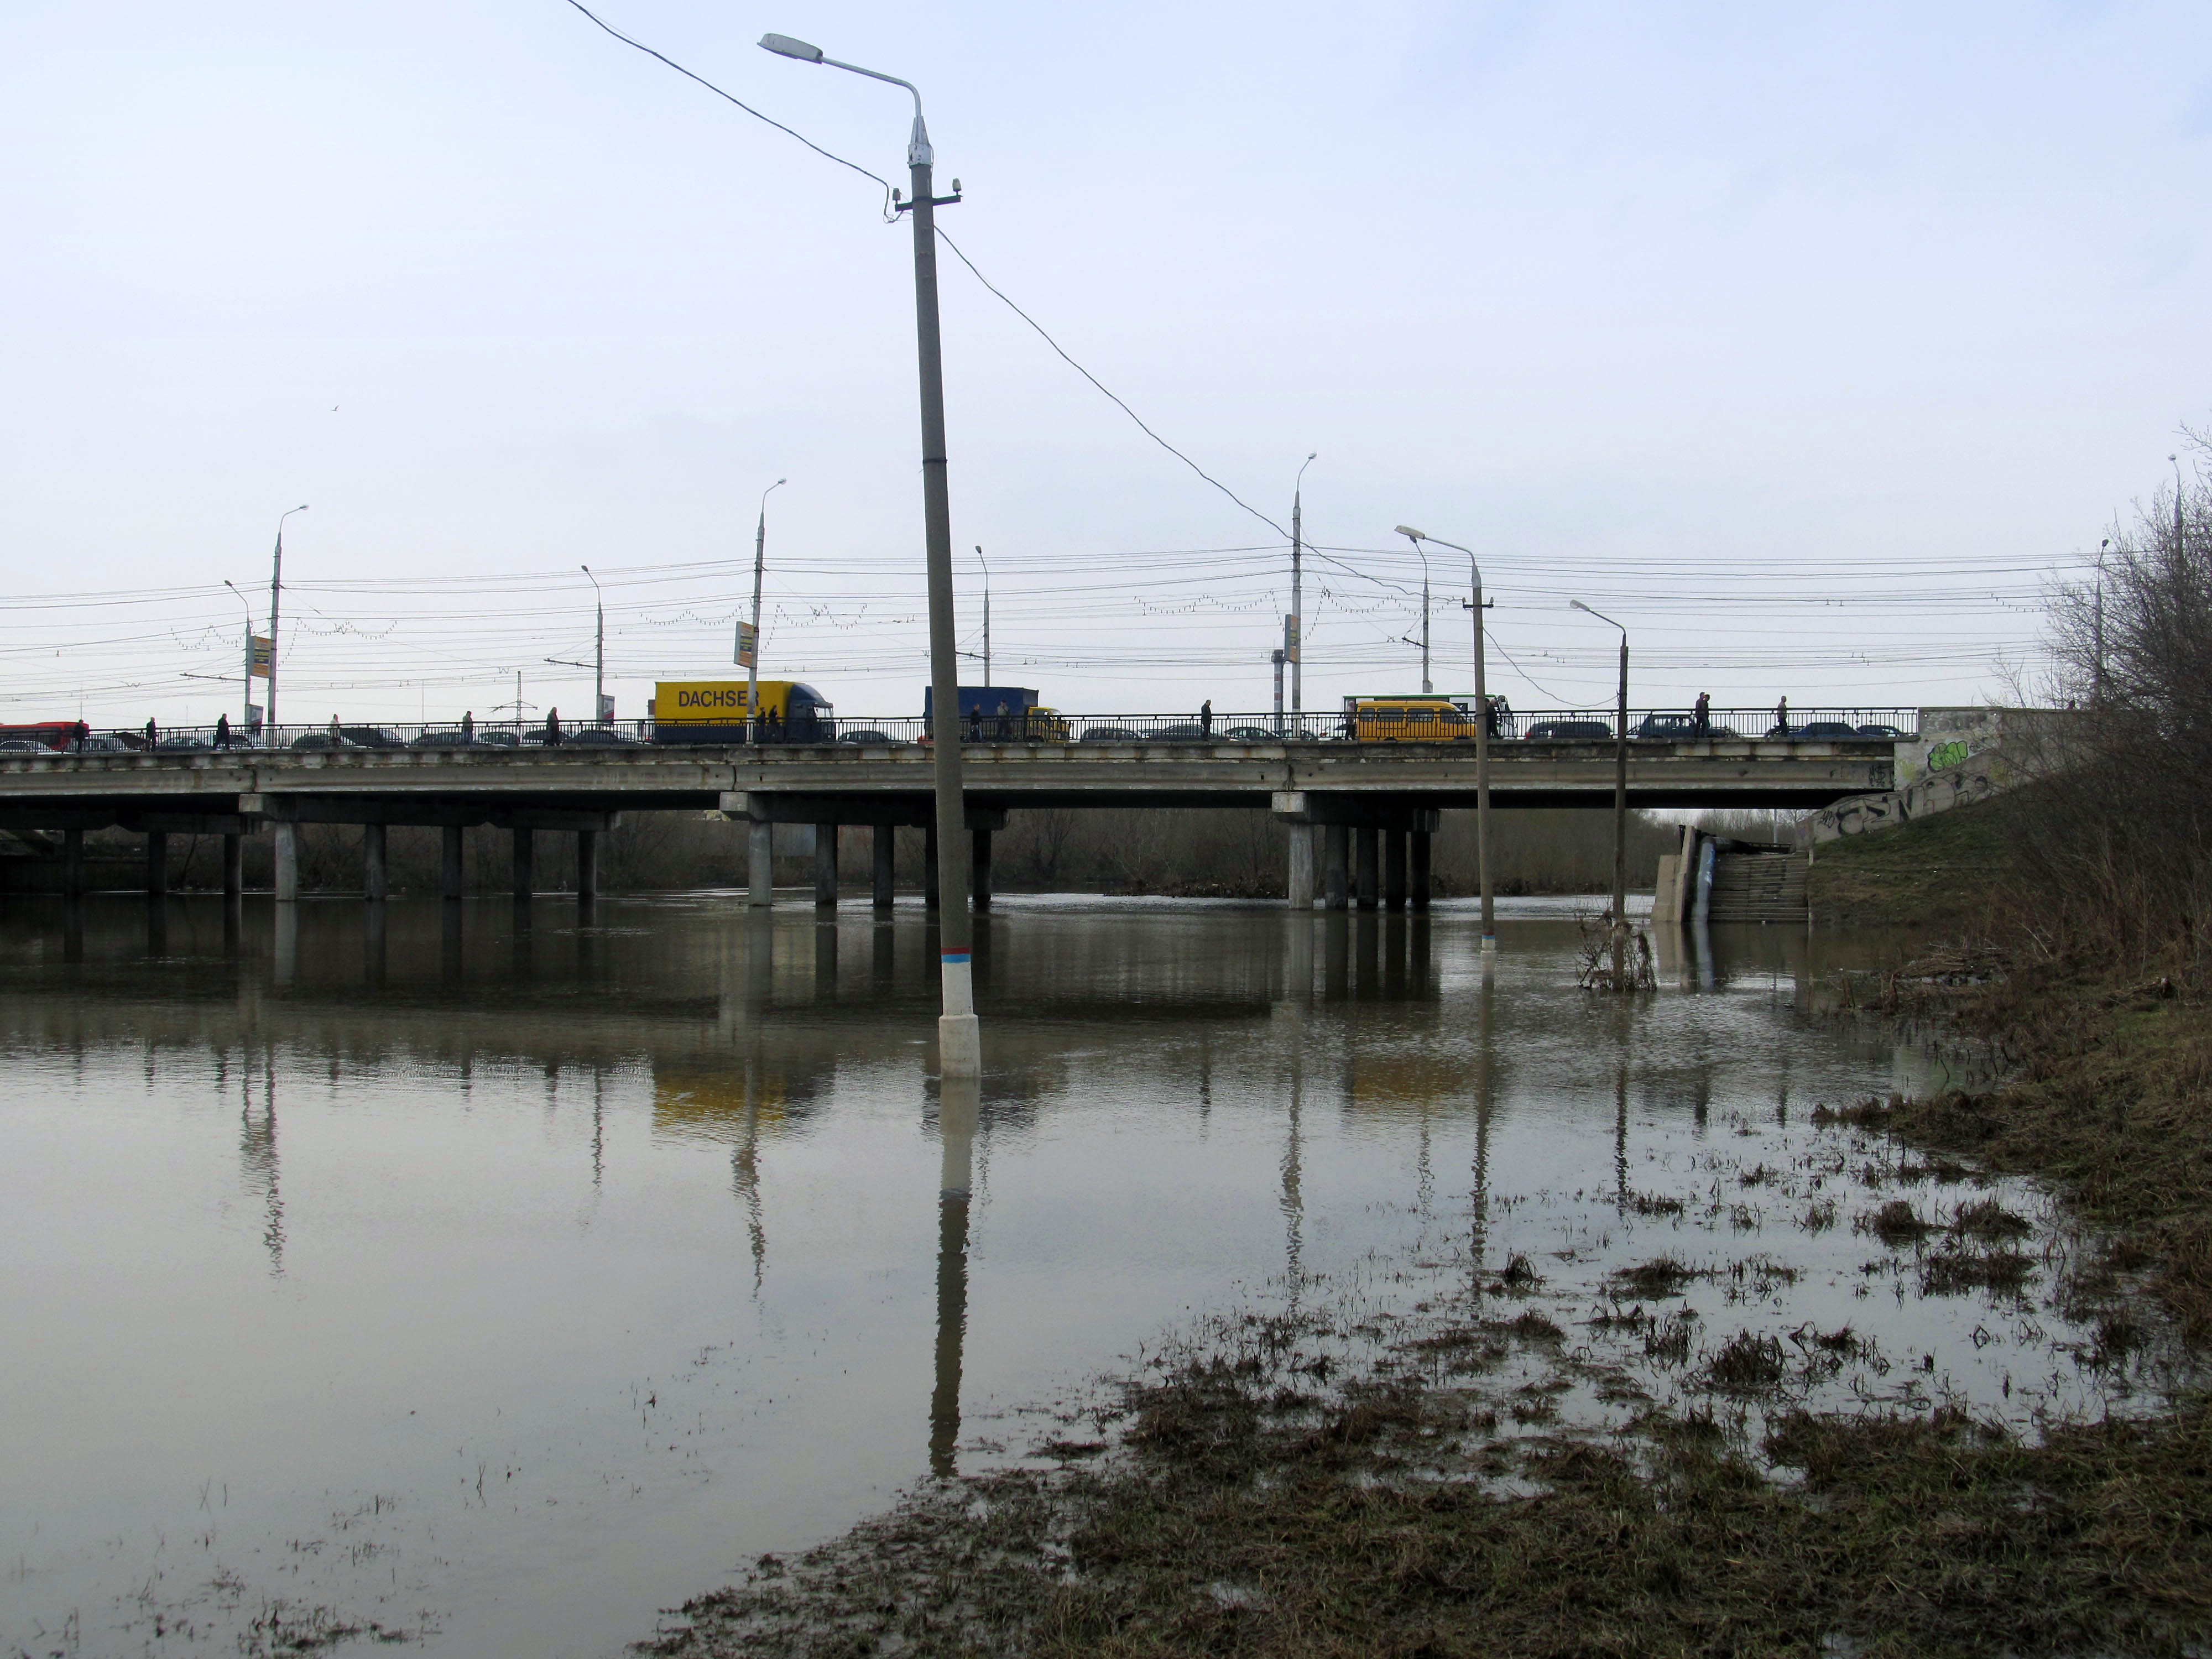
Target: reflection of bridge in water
column 1372, row 805
column 742, row 1025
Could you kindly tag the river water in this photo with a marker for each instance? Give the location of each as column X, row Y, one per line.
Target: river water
column 500, row 1277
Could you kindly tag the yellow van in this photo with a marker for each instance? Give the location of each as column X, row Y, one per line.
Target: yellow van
column 1406, row 719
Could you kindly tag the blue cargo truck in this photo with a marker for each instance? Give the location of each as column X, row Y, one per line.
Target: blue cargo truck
column 1005, row 713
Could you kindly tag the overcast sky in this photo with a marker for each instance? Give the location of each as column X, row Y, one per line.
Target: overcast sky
column 1804, row 339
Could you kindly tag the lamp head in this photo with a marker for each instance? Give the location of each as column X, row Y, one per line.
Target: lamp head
column 784, row 46
column 1578, row 604
column 1408, row 530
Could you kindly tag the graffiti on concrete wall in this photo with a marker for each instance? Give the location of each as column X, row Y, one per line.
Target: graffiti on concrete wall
column 1947, row 754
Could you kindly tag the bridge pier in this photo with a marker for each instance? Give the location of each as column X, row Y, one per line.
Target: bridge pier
column 72, row 864
column 825, row 866
column 285, row 845
column 979, row 884
column 759, row 864
column 1302, row 866
column 233, row 862
column 1393, row 869
column 886, row 854
column 1336, row 840
column 373, row 841
column 1365, row 838
column 1419, row 850
column 157, row 862
column 526, row 862
column 587, row 865
column 449, row 860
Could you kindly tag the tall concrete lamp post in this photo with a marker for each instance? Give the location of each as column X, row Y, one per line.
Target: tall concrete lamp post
column 959, row 1039
column 752, row 657
column 599, row 650
column 1294, row 635
column 1481, row 737
column 275, row 589
column 1620, row 803
column 245, row 705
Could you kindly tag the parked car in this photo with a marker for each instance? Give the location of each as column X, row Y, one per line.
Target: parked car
column 1566, row 731
column 1826, row 730
column 105, row 744
column 23, row 746
column 369, row 736
column 1179, row 734
column 312, row 740
column 1252, row 734
column 454, row 740
column 1877, row 731
column 865, row 736
column 183, row 745
column 1109, row 734
column 598, row 736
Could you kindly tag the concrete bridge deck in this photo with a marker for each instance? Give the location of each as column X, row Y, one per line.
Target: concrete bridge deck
column 1393, row 791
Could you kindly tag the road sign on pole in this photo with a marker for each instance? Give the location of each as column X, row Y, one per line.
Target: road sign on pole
column 748, row 644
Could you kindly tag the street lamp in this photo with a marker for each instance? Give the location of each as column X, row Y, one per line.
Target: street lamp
column 959, row 1039
column 1481, row 738
column 1294, row 637
column 275, row 587
column 2103, row 548
column 980, row 559
column 1620, row 803
column 752, row 657
column 599, row 650
column 245, row 698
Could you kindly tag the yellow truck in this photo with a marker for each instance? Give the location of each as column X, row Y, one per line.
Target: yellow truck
column 715, row 711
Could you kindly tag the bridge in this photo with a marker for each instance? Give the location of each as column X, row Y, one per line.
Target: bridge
column 1373, row 806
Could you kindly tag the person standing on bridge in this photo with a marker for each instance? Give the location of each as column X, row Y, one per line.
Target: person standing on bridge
column 153, row 732
column 337, row 736
column 468, row 725
column 553, row 726
column 1006, row 726
column 1781, row 717
column 222, row 731
column 1206, row 718
column 1702, row 724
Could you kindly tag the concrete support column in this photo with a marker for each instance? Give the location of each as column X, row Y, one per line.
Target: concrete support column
column 285, row 839
column 1394, row 868
column 373, row 840
column 157, row 862
column 526, row 862
column 1302, row 868
column 449, row 861
column 587, row 865
column 825, row 866
column 930, row 897
column 233, row 865
column 1336, row 886
column 73, row 864
column 980, row 861
column 760, row 865
column 886, row 845
column 1367, row 875
column 1418, row 870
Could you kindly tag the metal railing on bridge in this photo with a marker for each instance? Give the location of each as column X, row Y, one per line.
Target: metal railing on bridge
column 1031, row 726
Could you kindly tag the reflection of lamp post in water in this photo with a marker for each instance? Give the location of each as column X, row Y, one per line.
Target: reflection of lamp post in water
column 959, row 1105
column 1619, row 805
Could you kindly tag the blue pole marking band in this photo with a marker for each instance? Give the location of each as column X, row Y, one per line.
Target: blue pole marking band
column 954, row 958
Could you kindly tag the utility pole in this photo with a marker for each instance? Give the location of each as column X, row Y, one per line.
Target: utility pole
column 1276, row 656
column 752, row 657
column 959, row 1038
column 987, row 680
column 1619, row 808
column 275, row 589
column 1294, row 635
column 598, row 652
column 1481, row 730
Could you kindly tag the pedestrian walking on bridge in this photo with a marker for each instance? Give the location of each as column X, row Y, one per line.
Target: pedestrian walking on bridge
column 1702, row 724
column 553, row 726
column 1206, row 718
column 1781, row 717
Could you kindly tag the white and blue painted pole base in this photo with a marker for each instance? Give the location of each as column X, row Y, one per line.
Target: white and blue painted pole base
column 1490, row 944
column 959, row 1036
